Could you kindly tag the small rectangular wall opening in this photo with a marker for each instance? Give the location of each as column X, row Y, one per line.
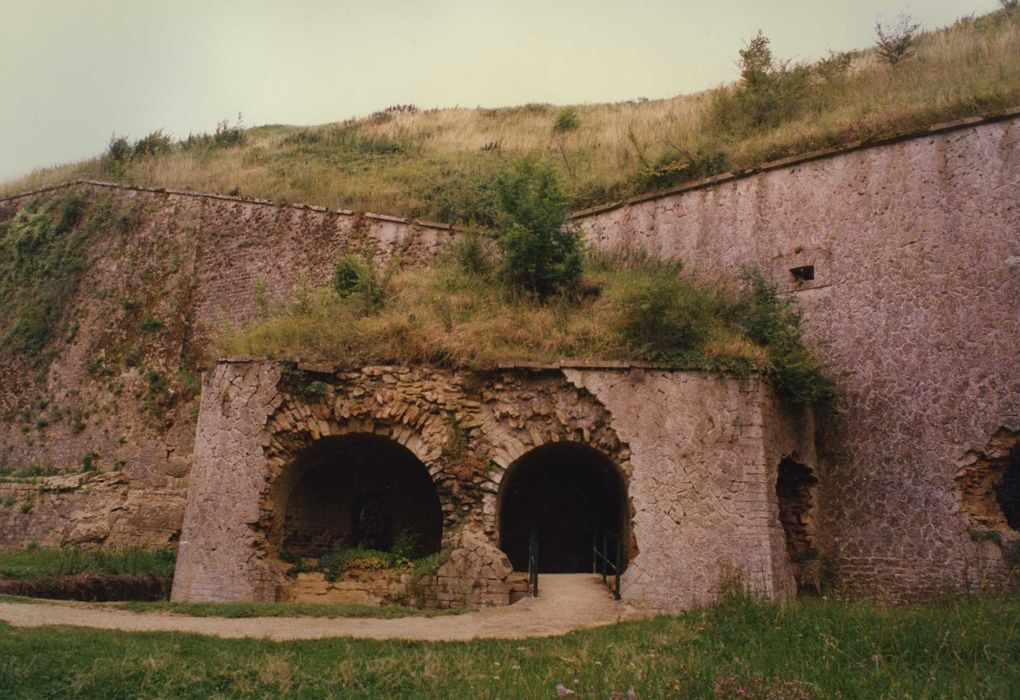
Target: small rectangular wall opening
column 803, row 273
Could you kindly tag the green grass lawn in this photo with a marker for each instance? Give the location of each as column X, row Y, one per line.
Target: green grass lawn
column 960, row 648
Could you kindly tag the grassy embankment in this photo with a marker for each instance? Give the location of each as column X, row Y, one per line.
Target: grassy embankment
column 435, row 164
column 959, row 648
column 80, row 574
column 459, row 313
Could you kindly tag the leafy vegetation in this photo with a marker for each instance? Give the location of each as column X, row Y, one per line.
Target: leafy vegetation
column 769, row 93
column 541, row 254
column 441, row 164
column 567, row 120
column 960, row 648
column 895, row 43
column 356, row 280
column 41, row 261
column 333, row 563
column 35, row 562
column 32, row 470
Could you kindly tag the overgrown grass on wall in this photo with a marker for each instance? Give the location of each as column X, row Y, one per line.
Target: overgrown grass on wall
column 42, row 252
column 956, row 648
column 439, row 164
column 458, row 314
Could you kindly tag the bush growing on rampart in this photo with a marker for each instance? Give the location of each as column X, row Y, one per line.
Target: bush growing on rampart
column 356, row 281
column 155, row 144
column 457, row 314
column 663, row 316
column 896, row 43
column 118, row 155
column 769, row 93
column 541, row 253
column 771, row 320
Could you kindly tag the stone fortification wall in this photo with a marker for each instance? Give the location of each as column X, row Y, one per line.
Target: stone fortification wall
column 916, row 274
column 100, row 437
column 234, row 243
column 915, row 248
column 691, row 452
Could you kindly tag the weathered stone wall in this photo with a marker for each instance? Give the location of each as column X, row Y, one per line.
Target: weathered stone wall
column 692, row 450
column 191, row 262
column 916, row 252
column 704, row 452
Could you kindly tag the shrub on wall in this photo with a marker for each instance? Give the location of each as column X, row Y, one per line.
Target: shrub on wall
column 117, row 159
column 567, row 120
column 896, row 43
column 772, row 320
column 541, row 254
column 155, row 144
column 356, row 281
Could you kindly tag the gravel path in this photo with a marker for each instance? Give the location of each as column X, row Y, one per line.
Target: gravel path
column 568, row 602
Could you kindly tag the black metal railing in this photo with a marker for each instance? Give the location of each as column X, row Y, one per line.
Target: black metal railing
column 607, row 557
column 533, row 563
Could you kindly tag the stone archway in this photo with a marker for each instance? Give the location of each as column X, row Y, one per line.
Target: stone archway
column 562, row 491
column 357, row 490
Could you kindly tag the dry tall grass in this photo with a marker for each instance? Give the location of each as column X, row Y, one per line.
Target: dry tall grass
column 422, row 163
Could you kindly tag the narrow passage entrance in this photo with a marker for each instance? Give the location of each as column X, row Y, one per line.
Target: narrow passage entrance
column 562, row 491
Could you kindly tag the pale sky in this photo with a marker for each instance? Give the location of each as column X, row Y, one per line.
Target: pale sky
column 72, row 72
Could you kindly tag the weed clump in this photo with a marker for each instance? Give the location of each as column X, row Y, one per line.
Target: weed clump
column 333, row 563
column 567, row 120
column 771, row 320
column 117, row 159
column 896, row 43
column 155, row 144
column 663, row 317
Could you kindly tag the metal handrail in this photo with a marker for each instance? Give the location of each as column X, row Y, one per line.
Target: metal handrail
column 533, row 563
column 602, row 556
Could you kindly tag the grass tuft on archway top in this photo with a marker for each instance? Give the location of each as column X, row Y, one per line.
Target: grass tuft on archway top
column 458, row 313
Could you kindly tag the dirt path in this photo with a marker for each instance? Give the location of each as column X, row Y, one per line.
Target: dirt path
column 568, row 602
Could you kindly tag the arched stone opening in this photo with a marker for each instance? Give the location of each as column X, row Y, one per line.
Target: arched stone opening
column 358, row 490
column 562, row 491
column 795, row 487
